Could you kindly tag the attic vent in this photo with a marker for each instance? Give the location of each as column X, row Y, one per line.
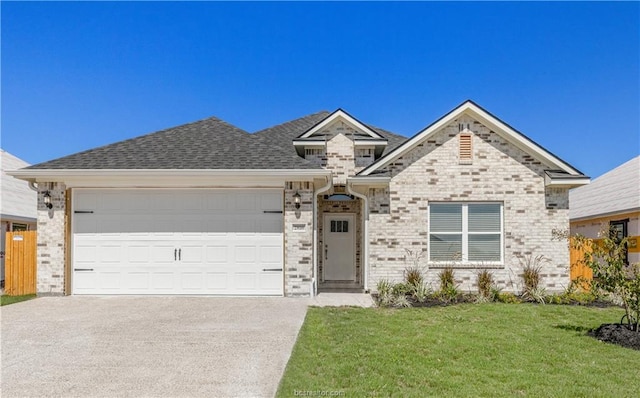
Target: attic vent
column 465, row 153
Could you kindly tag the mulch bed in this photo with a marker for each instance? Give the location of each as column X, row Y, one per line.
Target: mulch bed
column 617, row 334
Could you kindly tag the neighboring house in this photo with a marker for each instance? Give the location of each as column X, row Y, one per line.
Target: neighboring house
column 612, row 201
column 318, row 203
column 18, row 206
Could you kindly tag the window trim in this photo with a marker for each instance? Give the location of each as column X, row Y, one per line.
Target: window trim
column 464, row 261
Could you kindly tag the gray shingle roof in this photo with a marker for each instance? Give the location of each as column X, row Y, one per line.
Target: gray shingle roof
column 613, row 192
column 206, row 144
column 284, row 134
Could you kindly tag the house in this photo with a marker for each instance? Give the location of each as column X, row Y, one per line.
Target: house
column 611, row 201
column 318, row 203
column 18, row 209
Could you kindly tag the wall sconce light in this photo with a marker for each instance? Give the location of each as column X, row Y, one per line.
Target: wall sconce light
column 47, row 200
column 296, row 200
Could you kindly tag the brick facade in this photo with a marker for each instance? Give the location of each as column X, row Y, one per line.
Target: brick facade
column 298, row 240
column 499, row 172
column 398, row 214
column 51, row 241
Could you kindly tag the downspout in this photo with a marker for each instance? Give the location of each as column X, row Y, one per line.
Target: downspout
column 365, row 235
column 33, row 186
column 314, row 282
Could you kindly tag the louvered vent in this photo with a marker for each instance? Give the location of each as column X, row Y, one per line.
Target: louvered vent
column 465, row 154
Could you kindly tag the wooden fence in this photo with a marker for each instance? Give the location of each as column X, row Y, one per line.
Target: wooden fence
column 20, row 263
column 579, row 271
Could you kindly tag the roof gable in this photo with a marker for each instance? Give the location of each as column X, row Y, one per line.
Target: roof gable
column 339, row 114
column 478, row 113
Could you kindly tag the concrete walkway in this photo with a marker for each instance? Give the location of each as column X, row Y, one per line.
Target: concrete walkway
column 341, row 299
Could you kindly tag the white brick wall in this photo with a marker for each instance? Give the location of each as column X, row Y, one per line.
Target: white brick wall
column 298, row 245
column 51, row 233
column 500, row 172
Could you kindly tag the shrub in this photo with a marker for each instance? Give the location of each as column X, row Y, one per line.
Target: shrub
column 421, row 292
column 401, row 289
column 508, row 298
column 611, row 274
column 401, row 301
column 385, row 293
column 447, row 278
column 413, row 276
column 537, row 295
column 485, row 285
column 531, row 267
column 448, row 289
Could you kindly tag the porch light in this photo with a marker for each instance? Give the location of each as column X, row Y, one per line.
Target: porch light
column 296, row 200
column 47, row 199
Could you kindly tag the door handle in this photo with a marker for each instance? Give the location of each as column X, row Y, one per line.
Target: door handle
column 83, row 269
column 272, row 269
column 180, row 254
column 326, row 251
column 175, row 254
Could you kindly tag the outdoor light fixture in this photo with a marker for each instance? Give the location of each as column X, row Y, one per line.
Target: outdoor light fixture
column 296, row 200
column 47, row 200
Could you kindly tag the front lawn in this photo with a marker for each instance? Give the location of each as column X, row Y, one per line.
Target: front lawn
column 492, row 350
column 6, row 300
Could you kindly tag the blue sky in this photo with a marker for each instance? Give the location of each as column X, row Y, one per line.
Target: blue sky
column 80, row 75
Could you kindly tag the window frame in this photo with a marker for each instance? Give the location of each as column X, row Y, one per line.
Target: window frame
column 465, row 235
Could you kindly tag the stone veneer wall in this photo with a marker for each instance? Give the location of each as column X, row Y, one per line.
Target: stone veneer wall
column 337, row 207
column 500, row 172
column 298, row 245
column 51, row 241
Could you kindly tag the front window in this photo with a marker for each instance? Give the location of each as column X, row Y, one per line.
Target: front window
column 465, row 232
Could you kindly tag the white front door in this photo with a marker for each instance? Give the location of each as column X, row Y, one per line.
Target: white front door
column 339, row 247
column 183, row 241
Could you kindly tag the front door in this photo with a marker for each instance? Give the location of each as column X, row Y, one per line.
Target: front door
column 339, row 247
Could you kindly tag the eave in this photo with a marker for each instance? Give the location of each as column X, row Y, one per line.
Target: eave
column 170, row 177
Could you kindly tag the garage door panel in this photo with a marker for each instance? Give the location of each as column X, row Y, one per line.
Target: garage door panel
column 245, row 254
column 191, row 281
column 137, row 281
column 110, row 253
column 163, row 281
column 217, row 281
column 217, row 254
column 223, row 240
column 245, row 281
column 138, row 254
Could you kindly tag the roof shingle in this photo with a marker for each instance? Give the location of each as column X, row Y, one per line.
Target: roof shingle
column 206, row 144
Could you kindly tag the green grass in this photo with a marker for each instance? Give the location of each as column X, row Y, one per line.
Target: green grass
column 468, row 350
column 6, row 300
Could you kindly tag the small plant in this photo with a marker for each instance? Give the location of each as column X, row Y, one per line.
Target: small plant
column 385, row 293
column 413, row 276
column 537, row 295
column 447, row 278
column 531, row 267
column 508, row 298
column 485, row 285
column 612, row 274
column 401, row 289
column 421, row 293
column 448, row 289
column 401, row 301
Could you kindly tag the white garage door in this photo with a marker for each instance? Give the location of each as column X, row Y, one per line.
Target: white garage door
column 142, row 241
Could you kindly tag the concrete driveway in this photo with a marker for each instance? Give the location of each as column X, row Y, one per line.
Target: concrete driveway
column 147, row 346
